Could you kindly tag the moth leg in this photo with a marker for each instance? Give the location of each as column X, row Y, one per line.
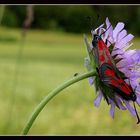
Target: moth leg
column 97, row 70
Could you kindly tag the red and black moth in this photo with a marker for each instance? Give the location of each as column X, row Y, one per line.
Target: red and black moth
column 109, row 74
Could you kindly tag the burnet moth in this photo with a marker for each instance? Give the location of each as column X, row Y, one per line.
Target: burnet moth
column 109, row 73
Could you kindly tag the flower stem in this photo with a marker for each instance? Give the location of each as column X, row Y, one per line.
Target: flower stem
column 53, row 93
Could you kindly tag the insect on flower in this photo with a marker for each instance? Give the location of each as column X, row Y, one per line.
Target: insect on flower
column 111, row 81
column 75, row 74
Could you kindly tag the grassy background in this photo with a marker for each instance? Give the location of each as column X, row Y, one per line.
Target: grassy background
column 48, row 59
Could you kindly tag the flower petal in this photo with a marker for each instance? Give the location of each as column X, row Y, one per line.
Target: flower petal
column 134, row 74
column 98, row 99
column 135, row 84
column 117, row 29
column 121, row 35
column 131, row 56
column 101, row 30
column 138, row 99
column 109, row 29
column 117, row 51
column 124, row 41
column 91, row 80
column 112, row 109
column 120, row 104
column 130, row 108
column 95, row 31
column 107, row 22
column 138, row 87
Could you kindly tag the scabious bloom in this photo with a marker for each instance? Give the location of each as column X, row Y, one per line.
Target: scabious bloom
column 127, row 61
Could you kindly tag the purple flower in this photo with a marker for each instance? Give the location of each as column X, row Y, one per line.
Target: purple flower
column 98, row 99
column 129, row 64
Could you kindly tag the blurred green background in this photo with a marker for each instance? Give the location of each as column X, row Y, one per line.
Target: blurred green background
column 50, row 52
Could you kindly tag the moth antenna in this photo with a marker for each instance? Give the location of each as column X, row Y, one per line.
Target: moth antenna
column 105, row 30
column 130, row 84
column 108, row 41
column 138, row 104
column 136, row 113
column 97, row 20
column 135, row 88
column 90, row 19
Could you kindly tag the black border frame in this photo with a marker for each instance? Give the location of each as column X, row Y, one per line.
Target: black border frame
column 60, row 2
column 71, row 2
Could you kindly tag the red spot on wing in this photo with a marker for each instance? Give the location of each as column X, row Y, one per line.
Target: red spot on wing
column 104, row 54
column 114, row 82
column 109, row 62
column 107, row 52
column 120, row 83
column 102, row 45
column 109, row 73
column 125, row 88
column 102, row 58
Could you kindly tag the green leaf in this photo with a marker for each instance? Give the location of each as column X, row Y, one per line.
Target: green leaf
column 90, row 53
column 117, row 60
column 110, row 48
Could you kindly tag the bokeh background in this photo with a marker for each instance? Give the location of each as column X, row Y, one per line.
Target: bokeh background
column 40, row 48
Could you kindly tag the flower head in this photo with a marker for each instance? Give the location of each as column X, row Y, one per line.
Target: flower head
column 126, row 61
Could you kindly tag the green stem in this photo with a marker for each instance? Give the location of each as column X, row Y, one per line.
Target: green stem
column 42, row 104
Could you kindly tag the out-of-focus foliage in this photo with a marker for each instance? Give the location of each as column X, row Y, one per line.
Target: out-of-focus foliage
column 73, row 18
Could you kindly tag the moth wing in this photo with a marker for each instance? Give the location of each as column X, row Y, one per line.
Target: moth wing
column 107, row 73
